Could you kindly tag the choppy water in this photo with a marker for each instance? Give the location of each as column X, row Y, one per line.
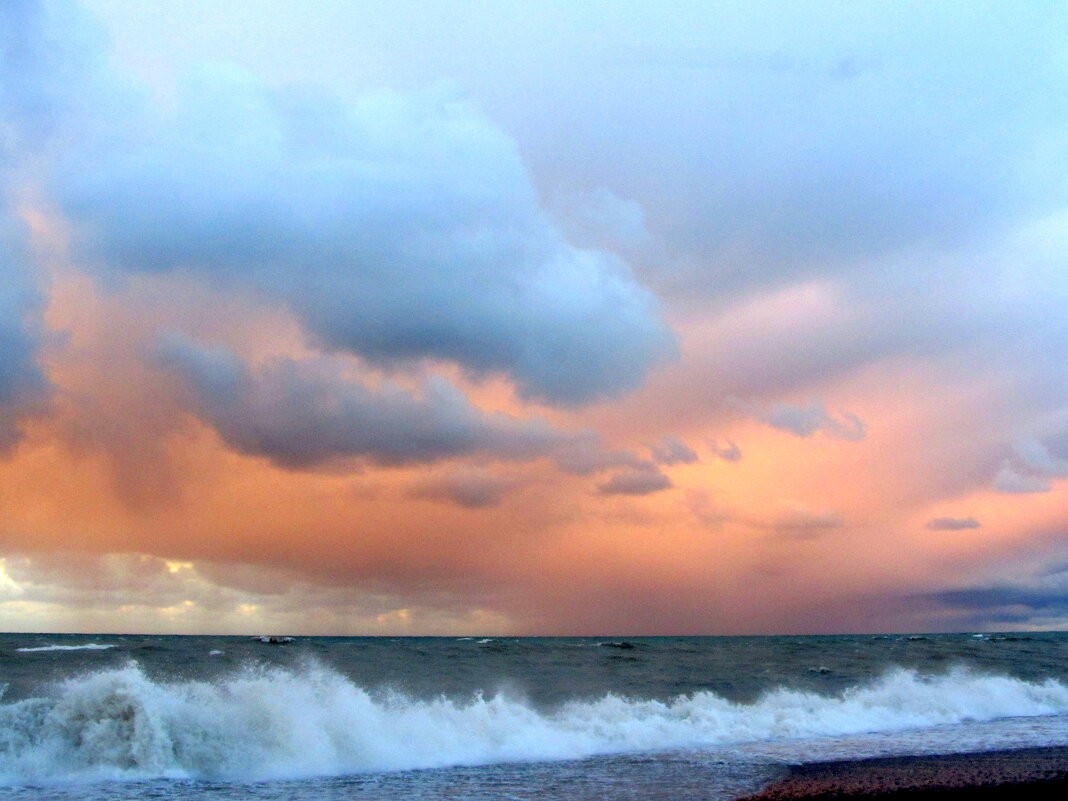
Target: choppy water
column 104, row 716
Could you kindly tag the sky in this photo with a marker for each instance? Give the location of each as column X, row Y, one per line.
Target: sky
column 359, row 317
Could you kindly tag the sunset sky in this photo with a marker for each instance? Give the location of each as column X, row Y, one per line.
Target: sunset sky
column 406, row 317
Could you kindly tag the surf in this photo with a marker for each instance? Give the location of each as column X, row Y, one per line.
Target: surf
column 271, row 723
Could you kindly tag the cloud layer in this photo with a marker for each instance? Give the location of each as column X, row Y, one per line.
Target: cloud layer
column 398, row 228
column 436, row 325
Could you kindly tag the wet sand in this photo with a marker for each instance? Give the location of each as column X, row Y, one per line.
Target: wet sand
column 1023, row 774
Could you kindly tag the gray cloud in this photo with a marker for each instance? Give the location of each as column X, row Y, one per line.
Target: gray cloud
column 94, row 591
column 1029, row 469
column 1036, row 456
column 819, row 170
column 471, row 488
column 585, row 454
column 638, row 481
column 305, row 413
column 953, row 523
column 309, row 413
column 400, row 227
column 730, row 453
column 1013, row 482
column 1006, row 604
column 672, row 450
column 22, row 384
column 804, row 421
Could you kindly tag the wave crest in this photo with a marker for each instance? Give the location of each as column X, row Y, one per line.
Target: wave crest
column 91, row 646
column 273, row 723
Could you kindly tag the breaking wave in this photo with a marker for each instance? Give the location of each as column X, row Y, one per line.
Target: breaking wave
column 274, row 723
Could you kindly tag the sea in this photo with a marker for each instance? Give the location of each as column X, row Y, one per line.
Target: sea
column 95, row 717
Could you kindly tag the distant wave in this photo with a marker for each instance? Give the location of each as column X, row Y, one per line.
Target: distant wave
column 89, row 646
column 273, row 723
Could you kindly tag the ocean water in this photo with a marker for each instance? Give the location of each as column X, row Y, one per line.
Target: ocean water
column 94, row 717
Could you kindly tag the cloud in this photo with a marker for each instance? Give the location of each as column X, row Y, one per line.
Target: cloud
column 701, row 505
column 1036, row 456
column 814, row 173
column 86, row 579
column 1012, row 482
column 399, row 228
column 1035, row 599
column 1030, row 468
column 672, row 450
column 640, row 481
column 601, row 219
column 305, row 413
column 790, row 519
column 953, row 523
column 471, row 489
column 402, row 229
column 585, row 454
column 730, row 453
column 49, row 63
column 804, row 421
column 803, row 523
column 139, row 592
column 23, row 386
column 314, row 412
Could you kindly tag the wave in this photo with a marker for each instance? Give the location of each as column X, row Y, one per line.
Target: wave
column 89, row 646
column 273, row 723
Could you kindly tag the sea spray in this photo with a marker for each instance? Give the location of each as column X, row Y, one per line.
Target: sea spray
column 271, row 723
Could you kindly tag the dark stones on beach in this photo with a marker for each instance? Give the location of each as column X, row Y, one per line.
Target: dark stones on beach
column 1020, row 774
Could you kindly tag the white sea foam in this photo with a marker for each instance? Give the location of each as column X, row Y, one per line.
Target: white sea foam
column 89, row 646
column 119, row 724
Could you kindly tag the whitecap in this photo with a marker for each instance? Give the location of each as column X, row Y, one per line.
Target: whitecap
column 89, row 646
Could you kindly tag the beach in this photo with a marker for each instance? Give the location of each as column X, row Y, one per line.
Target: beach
column 1014, row 774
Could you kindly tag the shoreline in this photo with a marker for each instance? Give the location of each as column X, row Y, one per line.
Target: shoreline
column 976, row 776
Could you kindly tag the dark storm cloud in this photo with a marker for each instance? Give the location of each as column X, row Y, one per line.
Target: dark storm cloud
column 401, row 227
column 953, row 523
column 1038, row 595
column 993, row 605
column 983, row 597
column 305, row 413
